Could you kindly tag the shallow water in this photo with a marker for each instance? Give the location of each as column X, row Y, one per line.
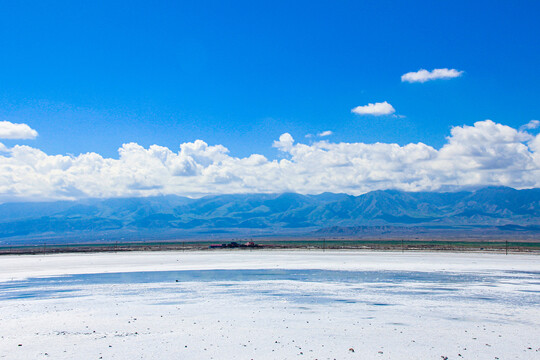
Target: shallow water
column 354, row 286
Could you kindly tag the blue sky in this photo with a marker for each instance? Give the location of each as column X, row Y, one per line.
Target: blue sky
column 90, row 76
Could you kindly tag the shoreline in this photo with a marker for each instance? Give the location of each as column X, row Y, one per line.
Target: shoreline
column 435, row 245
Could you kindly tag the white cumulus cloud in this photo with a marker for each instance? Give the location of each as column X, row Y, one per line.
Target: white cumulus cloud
column 9, row 130
column 531, row 125
column 325, row 133
column 485, row 153
column 285, row 142
column 376, row 109
column 423, row 75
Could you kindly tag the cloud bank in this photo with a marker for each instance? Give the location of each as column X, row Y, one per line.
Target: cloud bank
column 423, row 75
column 486, row 153
column 9, row 130
column 376, row 109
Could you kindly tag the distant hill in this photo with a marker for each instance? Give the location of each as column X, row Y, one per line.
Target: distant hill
column 501, row 208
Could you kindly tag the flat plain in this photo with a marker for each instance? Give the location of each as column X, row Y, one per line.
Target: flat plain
column 270, row 305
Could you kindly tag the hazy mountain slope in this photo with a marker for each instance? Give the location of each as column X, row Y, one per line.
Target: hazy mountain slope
column 492, row 206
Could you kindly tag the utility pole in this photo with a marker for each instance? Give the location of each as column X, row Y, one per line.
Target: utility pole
column 506, row 247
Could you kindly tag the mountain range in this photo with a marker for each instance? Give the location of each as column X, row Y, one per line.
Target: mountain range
column 499, row 208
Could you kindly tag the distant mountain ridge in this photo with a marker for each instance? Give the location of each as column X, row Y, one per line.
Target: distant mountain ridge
column 500, row 207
